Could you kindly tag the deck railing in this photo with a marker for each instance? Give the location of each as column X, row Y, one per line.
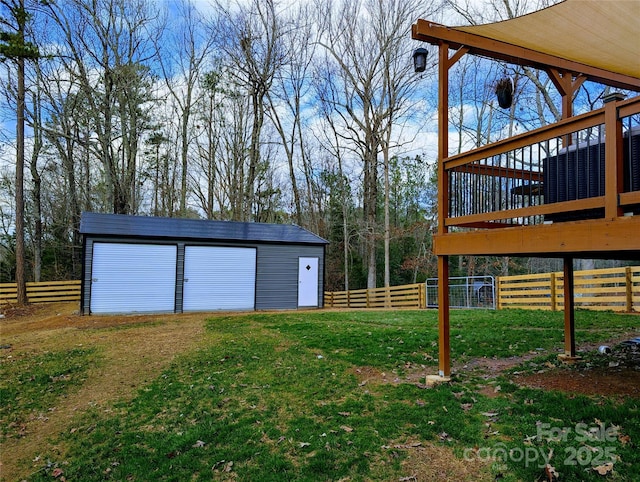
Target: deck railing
column 555, row 173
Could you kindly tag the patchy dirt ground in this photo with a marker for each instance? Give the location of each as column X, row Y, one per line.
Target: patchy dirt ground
column 619, row 377
column 615, row 374
column 134, row 356
column 131, row 357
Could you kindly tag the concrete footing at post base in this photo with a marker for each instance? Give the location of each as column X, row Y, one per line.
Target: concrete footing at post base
column 568, row 359
column 433, row 380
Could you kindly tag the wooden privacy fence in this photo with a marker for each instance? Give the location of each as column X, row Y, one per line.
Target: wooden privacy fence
column 615, row 289
column 43, row 291
column 405, row 296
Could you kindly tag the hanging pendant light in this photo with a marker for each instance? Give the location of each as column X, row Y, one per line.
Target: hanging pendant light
column 420, row 59
column 504, row 91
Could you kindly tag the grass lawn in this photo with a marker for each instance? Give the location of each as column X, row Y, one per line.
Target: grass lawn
column 317, row 395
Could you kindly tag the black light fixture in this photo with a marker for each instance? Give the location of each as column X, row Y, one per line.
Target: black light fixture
column 504, row 91
column 420, row 59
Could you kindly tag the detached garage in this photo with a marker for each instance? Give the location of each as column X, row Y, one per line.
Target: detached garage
column 141, row 264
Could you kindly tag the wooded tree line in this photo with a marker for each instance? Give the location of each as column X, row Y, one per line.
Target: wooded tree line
column 255, row 110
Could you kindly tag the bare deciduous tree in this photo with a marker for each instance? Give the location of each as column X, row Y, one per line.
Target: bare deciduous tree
column 182, row 54
column 107, row 44
column 250, row 34
column 286, row 109
column 368, row 63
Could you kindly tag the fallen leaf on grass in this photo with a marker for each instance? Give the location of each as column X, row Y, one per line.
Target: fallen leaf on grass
column 408, row 446
column 346, row 428
column 624, row 439
column 604, row 469
column 304, row 444
column 198, row 444
column 227, row 467
column 550, row 472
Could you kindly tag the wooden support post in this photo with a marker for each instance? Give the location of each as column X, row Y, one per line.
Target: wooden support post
column 554, row 294
column 628, row 285
column 569, row 313
column 444, row 348
column 612, row 159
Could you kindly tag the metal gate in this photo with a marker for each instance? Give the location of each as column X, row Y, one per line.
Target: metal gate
column 464, row 292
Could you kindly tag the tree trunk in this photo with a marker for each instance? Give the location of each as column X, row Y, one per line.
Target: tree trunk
column 387, row 229
column 21, row 282
column 370, row 201
column 37, row 192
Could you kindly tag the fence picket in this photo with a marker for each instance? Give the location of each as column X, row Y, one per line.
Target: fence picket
column 615, row 289
column 42, row 292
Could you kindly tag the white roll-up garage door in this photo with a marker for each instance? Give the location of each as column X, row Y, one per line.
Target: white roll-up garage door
column 219, row 278
column 130, row 278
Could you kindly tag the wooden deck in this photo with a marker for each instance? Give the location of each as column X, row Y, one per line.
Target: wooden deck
column 516, row 214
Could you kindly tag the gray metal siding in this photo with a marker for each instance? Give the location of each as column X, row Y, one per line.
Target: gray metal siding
column 277, row 275
column 85, row 302
column 180, row 279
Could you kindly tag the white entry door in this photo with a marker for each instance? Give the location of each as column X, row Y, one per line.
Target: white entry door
column 128, row 278
column 307, row 281
column 219, row 278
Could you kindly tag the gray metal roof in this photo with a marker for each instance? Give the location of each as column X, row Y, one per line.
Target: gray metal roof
column 178, row 228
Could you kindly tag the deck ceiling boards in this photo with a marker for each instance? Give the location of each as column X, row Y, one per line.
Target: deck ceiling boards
column 591, row 35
